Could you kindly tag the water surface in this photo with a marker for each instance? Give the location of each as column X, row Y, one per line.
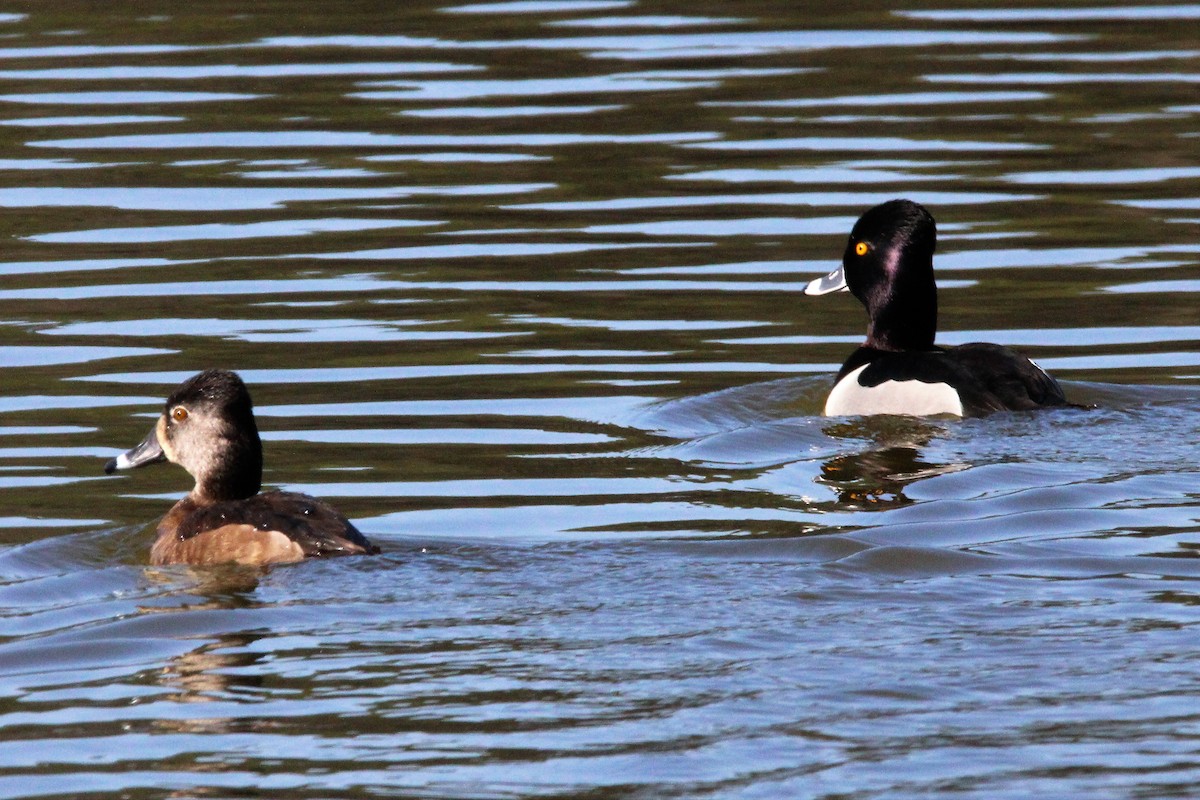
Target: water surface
column 518, row 287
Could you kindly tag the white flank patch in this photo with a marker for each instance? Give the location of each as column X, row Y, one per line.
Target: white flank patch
column 912, row 398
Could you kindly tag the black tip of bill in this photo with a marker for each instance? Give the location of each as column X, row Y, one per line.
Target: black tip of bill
column 147, row 452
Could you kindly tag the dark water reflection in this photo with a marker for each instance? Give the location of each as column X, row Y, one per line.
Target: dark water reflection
column 518, row 286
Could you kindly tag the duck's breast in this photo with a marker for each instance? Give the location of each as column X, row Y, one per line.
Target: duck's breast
column 912, row 397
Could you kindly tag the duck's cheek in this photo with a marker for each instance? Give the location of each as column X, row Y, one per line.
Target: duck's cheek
column 165, row 441
column 911, row 398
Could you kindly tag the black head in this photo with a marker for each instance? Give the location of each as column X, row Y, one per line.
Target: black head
column 207, row 427
column 888, row 265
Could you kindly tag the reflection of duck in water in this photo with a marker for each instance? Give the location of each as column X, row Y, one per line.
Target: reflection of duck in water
column 876, row 478
column 888, row 266
column 208, row 428
column 222, row 663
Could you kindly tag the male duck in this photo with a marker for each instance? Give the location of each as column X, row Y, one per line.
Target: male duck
column 207, row 427
column 888, row 266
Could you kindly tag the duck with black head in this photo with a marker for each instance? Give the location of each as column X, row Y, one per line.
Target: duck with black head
column 888, row 266
column 208, row 428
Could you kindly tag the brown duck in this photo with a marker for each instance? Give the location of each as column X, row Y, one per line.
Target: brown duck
column 207, row 427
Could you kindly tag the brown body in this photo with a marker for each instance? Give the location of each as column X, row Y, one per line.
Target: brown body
column 269, row 528
column 228, row 544
column 208, row 428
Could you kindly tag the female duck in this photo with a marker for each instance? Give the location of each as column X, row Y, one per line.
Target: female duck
column 888, row 266
column 207, row 427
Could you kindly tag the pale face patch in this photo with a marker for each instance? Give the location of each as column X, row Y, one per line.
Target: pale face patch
column 164, row 441
column 197, row 442
column 909, row 398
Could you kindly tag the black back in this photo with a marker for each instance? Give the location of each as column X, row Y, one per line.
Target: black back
column 987, row 377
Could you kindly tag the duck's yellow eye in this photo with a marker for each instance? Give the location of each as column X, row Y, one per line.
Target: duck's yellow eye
column 179, row 413
column 861, row 248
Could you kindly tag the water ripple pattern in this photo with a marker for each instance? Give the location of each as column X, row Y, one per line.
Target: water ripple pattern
column 518, row 286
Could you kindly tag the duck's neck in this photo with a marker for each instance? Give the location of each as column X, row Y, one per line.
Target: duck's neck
column 900, row 329
column 234, row 472
column 904, row 314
